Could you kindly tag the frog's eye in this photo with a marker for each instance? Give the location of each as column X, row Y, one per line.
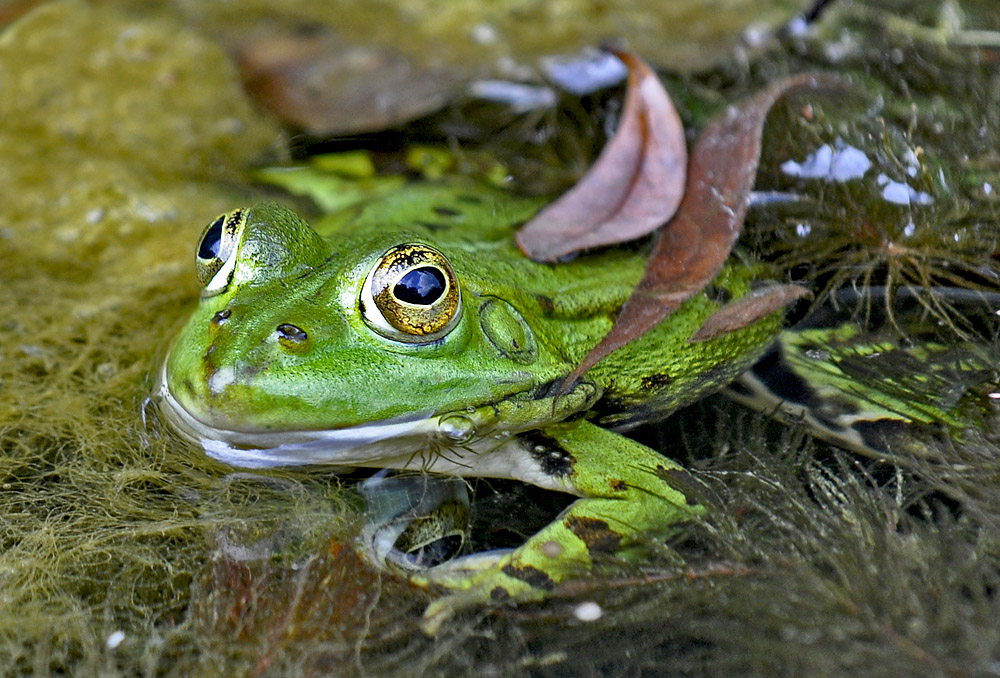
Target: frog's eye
column 217, row 251
column 411, row 295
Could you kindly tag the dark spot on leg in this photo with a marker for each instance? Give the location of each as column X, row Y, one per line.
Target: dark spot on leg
column 499, row 594
column 554, row 460
column 530, row 575
column 447, row 211
column 546, row 303
column 596, row 534
column 292, row 333
column 883, row 435
column 776, row 376
column 680, row 480
column 548, row 389
column 619, row 485
column 292, row 338
column 654, row 381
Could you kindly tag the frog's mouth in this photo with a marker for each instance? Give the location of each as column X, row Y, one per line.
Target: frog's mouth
column 390, row 443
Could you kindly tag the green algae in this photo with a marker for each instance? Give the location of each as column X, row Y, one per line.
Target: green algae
column 124, row 552
column 118, row 137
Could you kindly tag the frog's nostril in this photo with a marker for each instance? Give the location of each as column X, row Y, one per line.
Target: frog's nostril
column 292, row 337
column 221, row 317
column 292, row 333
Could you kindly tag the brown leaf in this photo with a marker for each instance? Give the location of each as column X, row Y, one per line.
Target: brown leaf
column 326, row 86
column 747, row 310
column 693, row 247
column 12, row 10
column 632, row 188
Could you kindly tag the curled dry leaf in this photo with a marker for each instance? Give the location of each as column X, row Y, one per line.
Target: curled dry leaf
column 632, row 188
column 693, row 247
column 748, row 310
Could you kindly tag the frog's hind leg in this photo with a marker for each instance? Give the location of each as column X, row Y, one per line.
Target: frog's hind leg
column 627, row 492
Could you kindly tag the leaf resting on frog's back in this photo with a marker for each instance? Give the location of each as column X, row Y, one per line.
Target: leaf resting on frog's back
column 632, row 188
column 748, row 310
column 695, row 244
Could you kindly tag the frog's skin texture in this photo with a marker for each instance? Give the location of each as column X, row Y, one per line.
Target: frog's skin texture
column 287, row 360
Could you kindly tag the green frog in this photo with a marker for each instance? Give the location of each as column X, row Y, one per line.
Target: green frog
column 407, row 331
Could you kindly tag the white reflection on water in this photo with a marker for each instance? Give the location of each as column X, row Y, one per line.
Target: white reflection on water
column 839, row 162
column 900, row 193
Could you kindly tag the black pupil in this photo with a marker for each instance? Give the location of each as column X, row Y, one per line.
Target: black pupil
column 420, row 286
column 210, row 244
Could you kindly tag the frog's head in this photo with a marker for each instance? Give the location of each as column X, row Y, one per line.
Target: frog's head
column 303, row 342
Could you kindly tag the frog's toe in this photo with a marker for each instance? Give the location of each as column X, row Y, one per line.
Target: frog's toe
column 437, row 613
column 443, row 609
column 487, row 587
column 460, row 573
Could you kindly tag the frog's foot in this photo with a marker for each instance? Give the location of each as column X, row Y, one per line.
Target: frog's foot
column 530, row 573
column 483, row 579
column 628, row 492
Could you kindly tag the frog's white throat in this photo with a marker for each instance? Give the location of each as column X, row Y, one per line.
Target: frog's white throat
column 418, row 442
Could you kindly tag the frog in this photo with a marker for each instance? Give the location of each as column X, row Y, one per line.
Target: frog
column 408, row 332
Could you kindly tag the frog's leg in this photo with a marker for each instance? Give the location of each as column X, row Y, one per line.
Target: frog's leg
column 868, row 391
column 627, row 492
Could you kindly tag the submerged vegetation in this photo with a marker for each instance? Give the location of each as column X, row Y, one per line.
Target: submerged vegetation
column 126, row 553
column 901, row 181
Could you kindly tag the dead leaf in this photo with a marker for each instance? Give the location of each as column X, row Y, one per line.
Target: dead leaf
column 747, row 310
column 632, row 188
column 693, row 247
column 327, row 86
column 12, row 10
